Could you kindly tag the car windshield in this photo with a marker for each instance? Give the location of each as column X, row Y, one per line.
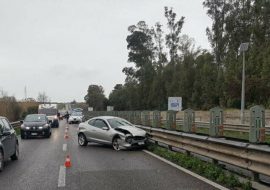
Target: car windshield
column 35, row 118
column 76, row 114
column 116, row 122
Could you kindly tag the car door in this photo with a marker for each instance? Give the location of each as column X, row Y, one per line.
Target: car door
column 101, row 134
column 9, row 140
column 3, row 139
column 90, row 130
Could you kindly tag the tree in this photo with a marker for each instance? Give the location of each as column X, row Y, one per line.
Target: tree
column 141, row 53
column 73, row 101
column 235, row 22
column 10, row 108
column 173, row 38
column 95, row 97
column 42, row 97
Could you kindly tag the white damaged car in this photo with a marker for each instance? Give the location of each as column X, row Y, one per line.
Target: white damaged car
column 75, row 117
column 115, row 131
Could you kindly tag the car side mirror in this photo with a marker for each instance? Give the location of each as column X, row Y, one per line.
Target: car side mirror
column 21, row 121
column 6, row 133
column 105, row 128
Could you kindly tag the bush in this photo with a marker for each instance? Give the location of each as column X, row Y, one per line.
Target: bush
column 30, row 110
column 10, row 108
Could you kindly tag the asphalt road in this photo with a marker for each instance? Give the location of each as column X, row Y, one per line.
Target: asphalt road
column 93, row 167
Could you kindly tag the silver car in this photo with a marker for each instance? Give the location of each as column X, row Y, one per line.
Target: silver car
column 111, row 130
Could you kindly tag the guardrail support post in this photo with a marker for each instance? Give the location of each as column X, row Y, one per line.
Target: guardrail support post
column 255, row 176
column 156, row 119
column 146, row 118
column 214, row 161
column 189, row 121
column 171, row 119
column 216, row 122
column 132, row 116
column 257, row 124
column 138, row 118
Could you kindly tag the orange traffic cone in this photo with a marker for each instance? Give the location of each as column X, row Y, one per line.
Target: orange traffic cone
column 68, row 162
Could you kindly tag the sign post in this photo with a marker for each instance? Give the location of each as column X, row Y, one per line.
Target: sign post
column 110, row 108
column 174, row 103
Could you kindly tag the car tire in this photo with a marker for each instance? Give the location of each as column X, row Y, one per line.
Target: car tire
column 82, row 141
column 1, row 160
column 48, row 135
column 15, row 156
column 115, row 144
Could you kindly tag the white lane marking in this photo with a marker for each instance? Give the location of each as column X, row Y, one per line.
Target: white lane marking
column 187, row 171
column 64, row 147
column 62, row 177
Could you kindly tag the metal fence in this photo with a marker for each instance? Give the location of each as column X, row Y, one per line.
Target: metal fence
column 256, row 132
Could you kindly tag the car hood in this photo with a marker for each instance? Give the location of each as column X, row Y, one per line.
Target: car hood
column 31, row 124
column 131, row 129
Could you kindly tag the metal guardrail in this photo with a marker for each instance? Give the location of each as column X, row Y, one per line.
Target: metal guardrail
column 254, row 158
column 15, row 124
column 227, row 126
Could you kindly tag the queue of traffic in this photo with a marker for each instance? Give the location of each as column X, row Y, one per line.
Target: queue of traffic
column 114, row 131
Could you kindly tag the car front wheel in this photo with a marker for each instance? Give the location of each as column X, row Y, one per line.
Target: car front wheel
column 82, row 140
column 15, row 156
column 1, row 160
column 115, row 144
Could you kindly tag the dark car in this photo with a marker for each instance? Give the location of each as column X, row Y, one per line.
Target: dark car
column 51, row 115
column 35, row 125
column 9, row 144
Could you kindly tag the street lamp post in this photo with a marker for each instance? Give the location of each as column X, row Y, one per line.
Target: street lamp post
column 243, row 48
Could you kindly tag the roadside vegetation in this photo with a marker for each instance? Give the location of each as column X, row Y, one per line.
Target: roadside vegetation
column 165, row 62
column 211, row 171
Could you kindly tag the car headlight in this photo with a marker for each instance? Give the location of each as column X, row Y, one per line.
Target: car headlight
column 27, row 128
column 40, row 127
column 129, row 139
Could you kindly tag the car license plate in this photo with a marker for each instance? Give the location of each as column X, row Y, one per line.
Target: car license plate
column 33, row 134
column 140, row 143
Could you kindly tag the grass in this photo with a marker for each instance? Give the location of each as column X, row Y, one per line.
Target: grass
column 18, row 131
column 209, row 170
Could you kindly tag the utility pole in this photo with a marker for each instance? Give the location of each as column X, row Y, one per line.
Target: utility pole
column 25, row 93
column 243, row 48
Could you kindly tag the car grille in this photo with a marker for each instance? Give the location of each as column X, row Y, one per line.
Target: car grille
column 138, row 138
column 34, row 128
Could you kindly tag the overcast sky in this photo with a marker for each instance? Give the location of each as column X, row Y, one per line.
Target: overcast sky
column 62, row 46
